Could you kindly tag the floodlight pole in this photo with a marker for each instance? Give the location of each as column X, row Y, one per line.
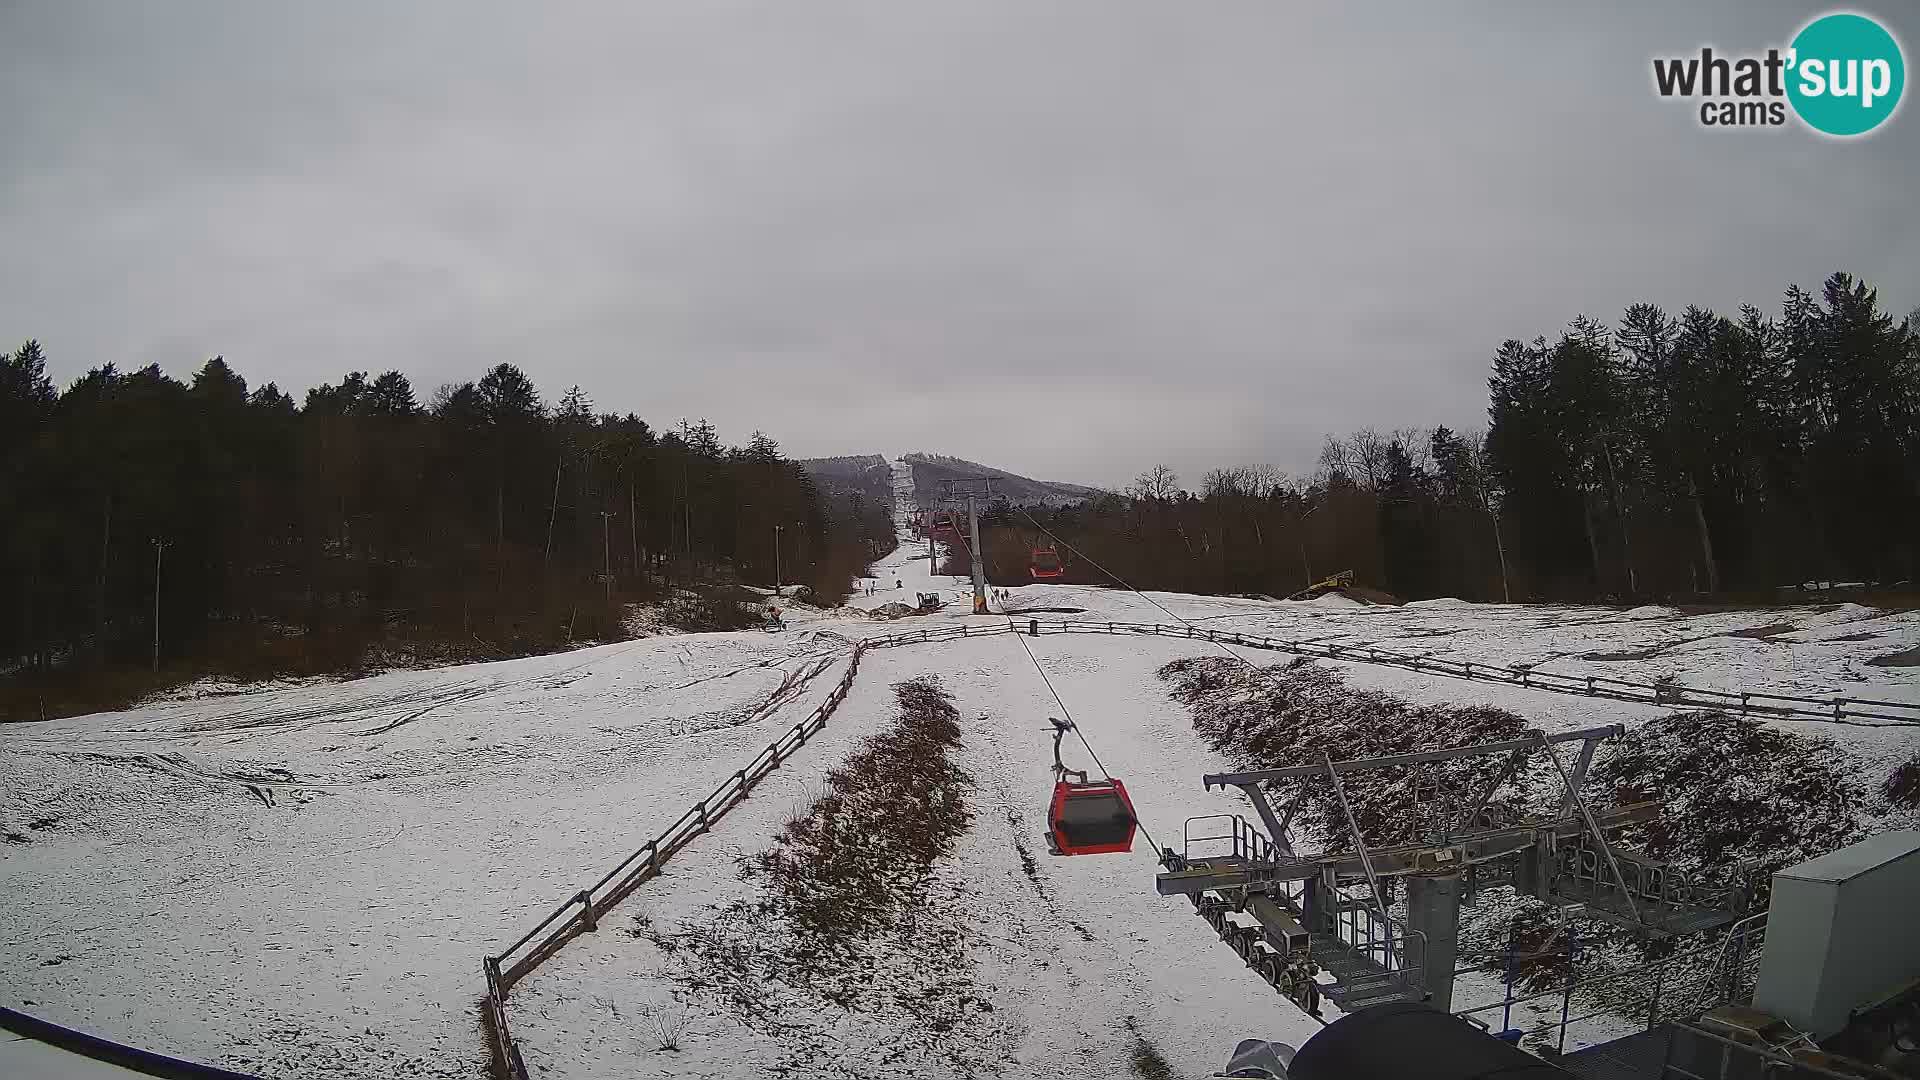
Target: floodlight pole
column 159, row 546
column 606, row 549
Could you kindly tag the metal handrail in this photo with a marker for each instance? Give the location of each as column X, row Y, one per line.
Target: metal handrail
column 1248, row 842
column 1742, row 930
column 634, row 868
column 1768, row 1054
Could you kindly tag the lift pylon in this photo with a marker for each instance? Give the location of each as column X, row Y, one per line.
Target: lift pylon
column 968, row 490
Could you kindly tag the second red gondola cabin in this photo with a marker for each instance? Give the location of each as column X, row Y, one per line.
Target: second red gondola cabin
column 1045, row 564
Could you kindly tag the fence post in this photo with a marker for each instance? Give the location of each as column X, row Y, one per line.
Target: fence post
column 1838, row 709
column 1033, row 627
column 1743, row 704
column 586, row 910
column 1589, row 686
column 1469, row 670
column 702, row 808
column 490, row 966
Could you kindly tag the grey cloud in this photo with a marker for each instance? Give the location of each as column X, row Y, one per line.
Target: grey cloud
column 1071, row 239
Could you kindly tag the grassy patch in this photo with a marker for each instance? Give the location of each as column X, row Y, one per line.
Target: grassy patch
column 851, row 863
column 1902, row 787
column 251, row 651
column 1292, row 713
column 1147, row 1061
column 857, row 935
column 1733, row 790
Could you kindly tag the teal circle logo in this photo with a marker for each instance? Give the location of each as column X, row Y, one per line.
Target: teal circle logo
column 1846, row 74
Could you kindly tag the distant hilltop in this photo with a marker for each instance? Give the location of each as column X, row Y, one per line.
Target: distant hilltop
column 872, row 476
column 930, row 470
column 868, row 475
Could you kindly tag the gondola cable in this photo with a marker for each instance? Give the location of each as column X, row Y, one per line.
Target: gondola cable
column 1068, row 715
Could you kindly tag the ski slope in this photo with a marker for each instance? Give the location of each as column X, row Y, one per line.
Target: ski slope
column 301, row 881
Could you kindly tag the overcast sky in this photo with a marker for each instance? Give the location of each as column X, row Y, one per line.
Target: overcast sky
column 1070, row 239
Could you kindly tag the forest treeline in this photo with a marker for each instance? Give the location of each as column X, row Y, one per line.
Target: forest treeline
column 1663, row 457
column 295, row 536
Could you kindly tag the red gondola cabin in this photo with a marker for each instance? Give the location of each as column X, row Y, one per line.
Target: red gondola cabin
column 1045, row 564
column 1091, row 818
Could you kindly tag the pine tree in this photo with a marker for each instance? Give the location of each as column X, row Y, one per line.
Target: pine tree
column 391, row 395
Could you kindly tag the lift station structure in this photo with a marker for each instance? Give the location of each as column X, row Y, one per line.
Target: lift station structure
column 1289, row 914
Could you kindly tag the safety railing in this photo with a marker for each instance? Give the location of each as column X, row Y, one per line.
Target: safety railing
column 1686, row 982
column 1664, row 893
column 582, row 911
column 1382, row 939
column 1745, row 703
column 1736, row 964
column 1714, row 1056
column 1239, row 839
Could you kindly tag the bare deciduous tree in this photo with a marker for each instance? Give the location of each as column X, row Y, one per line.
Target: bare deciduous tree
column 1361, row 457
column 1158, row 484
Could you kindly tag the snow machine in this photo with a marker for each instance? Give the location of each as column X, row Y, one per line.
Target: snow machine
column 1087, row 817
column 1045, row 564
column 1341, row 580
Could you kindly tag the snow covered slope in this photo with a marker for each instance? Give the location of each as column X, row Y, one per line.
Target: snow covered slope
column 301, row 882
column 929, row 470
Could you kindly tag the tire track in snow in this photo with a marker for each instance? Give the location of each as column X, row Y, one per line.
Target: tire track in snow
column 1102, row 999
